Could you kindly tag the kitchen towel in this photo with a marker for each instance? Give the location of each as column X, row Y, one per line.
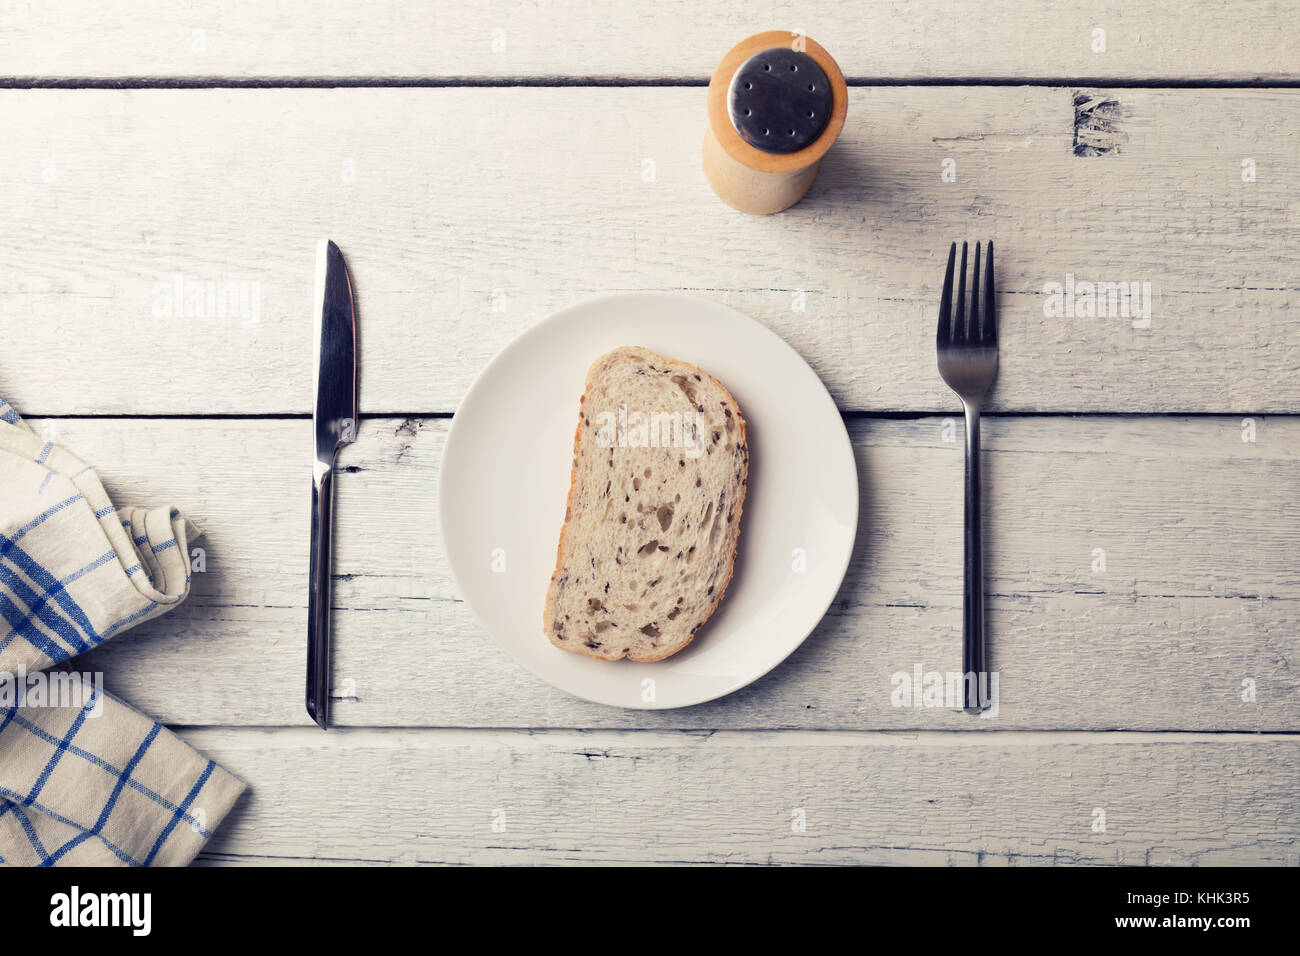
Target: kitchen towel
column 84, row 778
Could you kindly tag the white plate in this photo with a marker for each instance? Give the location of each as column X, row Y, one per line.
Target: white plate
column 505, row 480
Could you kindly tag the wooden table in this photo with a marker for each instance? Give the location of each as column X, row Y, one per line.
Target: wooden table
column 485, row 163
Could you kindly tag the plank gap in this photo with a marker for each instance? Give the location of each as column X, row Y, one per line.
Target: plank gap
column 1268, row 82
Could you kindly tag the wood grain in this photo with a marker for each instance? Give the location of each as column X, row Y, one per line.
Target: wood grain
column 1199, row 591
column 375, row 796
column 677, row 39
column 156, row 257
column 467, row 215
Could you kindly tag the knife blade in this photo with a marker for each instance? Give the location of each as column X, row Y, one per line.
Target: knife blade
column 334, row 420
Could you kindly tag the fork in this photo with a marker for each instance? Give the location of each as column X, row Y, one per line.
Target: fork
column 968, row 362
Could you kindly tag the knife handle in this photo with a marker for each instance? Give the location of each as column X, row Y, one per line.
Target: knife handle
column 318, row 595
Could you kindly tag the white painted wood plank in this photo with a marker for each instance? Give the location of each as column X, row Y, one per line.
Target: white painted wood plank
column 647, row 797
column 467, row 215
column 910, row 39
column 1200, row 591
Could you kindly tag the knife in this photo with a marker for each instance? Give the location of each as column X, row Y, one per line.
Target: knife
column 334, row 419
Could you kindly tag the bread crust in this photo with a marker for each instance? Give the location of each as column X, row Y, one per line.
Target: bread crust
column 548, row 610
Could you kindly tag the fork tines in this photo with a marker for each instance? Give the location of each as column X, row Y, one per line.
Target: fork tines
column 953, row 327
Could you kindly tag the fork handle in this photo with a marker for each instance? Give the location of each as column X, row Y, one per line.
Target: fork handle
column 973, row 593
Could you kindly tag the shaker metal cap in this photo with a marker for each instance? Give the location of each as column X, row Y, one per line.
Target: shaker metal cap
column 780, row 100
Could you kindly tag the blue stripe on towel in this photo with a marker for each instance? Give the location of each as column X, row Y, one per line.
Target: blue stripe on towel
column 130, row 618
column 46, row 581
column 32, row 838
column 41, row 808
column 42, row 734
column 100, row 561
column 22, row 624
column 59, row 749
column 40, row 518
column 180, row 812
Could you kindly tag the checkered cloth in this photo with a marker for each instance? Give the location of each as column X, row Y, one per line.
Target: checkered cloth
column 84, row 779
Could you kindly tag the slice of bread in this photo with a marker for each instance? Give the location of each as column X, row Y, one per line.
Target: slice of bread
column 660, row 467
